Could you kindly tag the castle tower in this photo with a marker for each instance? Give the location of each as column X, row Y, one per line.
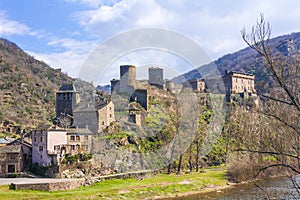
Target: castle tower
column 127, row 79
column 156, row 77
column 66, row 99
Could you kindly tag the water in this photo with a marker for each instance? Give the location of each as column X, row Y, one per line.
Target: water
column 282, row 188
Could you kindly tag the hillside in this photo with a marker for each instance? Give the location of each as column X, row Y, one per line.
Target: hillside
column 247, row 60
column 27, row 88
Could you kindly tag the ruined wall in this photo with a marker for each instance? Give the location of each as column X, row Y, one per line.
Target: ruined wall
column 140, row 96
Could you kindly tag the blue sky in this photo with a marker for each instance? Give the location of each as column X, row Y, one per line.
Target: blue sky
column 63, row 33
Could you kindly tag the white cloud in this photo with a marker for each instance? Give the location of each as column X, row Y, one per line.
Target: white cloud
column 11, row 27
column 70, row 54
column 215, row 25
column 93, row 3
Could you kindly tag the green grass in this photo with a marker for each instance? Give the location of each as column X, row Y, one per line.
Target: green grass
column 159, row 185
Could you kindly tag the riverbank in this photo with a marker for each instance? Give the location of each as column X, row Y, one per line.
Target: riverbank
column 157, row 187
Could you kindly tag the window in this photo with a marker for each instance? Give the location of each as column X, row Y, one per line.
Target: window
column 10, row 156
column 109, row 108
column 110, row 115
column 236, row 80
column 56, row 147
column 103, row 123
column 72, row 138
column 86, row 147
column 86, row 137
column 72, row 147
column 11, row 168
column 40, row 148
column 34, row 139
column 77, row 147
column 41, row 139
column 77, row 138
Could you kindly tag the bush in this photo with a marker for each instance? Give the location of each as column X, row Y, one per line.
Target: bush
column 12, row 175
column 75, row 158
column 38, row 170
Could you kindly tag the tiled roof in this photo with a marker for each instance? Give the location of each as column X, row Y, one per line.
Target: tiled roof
column 67, row 88
column 6, row 140
column 84, row 131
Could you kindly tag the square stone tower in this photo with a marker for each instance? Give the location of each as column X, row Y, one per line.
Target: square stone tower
column 156, row 77
column 66, row 99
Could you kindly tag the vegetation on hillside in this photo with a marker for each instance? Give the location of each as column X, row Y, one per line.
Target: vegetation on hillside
column 27, row 87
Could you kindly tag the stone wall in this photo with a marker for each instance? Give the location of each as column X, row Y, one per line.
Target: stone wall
column 49, row 186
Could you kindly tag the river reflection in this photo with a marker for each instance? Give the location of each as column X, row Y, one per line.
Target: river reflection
column 282, row 188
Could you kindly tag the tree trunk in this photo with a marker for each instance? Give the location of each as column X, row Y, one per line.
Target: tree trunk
column 179, row 164
column 197, row 156
column 169, row 168
column 190, row 159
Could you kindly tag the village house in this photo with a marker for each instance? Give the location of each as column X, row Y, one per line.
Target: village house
column 94, row 116
column 79, row 140
column 48, row 146
column 11, row 160
column 15, row 156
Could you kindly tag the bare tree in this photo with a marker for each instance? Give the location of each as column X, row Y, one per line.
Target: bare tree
column 280, row 108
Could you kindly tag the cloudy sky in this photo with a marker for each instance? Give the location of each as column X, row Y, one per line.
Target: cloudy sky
column 63, row 33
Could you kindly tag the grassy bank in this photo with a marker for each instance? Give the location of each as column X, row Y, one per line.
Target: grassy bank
column 161, row 185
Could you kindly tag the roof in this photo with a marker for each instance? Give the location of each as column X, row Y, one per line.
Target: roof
column 6, row 140
column 67, row 88
column 86, row 106
column 44, row 127
column 90, row 106
column 235, row 72
column 20, row 142
column 80, row 131
column 11, row 149
column 155, row 68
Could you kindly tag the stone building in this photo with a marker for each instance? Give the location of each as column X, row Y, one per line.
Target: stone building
column 26, row 151
column 135, row 115
column 66, row 99
column 196, row 85
column 11, row 160
column 94, row 117
column 79, row 140
column 239, row 83
column 48, row 146
column 156, row 77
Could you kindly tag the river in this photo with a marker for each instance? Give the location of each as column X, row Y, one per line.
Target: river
column 280, row 188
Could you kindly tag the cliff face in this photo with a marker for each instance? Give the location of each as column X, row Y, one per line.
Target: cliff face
column 27, row 87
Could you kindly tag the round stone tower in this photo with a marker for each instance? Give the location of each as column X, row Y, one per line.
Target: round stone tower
column 127, row 79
